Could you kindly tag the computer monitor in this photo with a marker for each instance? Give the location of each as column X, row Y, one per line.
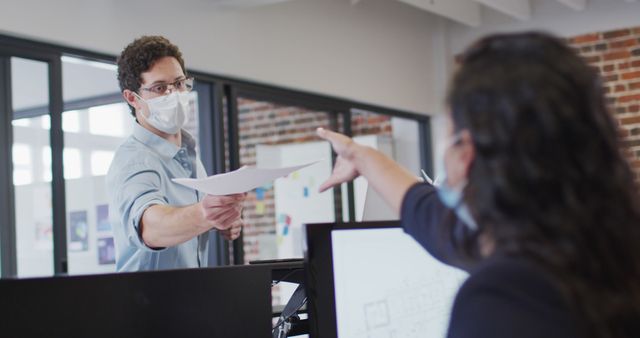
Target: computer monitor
column 371, row 279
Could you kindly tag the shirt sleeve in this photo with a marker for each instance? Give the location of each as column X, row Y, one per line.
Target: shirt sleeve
column 510, row 300
column 433, row 225
column 138, row 188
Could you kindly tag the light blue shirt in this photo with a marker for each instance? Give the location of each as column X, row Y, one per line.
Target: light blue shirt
column 139, row 177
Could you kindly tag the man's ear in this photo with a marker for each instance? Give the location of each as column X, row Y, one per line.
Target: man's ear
column 131, row 99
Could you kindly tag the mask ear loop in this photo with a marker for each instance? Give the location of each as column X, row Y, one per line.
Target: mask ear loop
column 145, row 103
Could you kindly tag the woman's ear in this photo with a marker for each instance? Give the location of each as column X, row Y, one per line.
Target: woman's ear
column 467, row 152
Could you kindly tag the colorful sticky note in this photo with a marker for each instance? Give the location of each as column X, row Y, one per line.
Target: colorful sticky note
column 282, row 218
column 295, row 175
column 260, row 208
column 305, row 192
column 260, row 194
column 285, row 231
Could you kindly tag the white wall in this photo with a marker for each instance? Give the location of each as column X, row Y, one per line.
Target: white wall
column 378, row 51
column 554, row 17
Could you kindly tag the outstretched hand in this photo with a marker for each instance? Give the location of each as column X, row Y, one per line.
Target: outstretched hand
column 345, row 168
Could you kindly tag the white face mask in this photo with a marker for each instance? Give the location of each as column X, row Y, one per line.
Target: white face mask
column 168, row 113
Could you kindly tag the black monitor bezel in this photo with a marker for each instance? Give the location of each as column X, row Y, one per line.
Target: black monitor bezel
column 318, row 261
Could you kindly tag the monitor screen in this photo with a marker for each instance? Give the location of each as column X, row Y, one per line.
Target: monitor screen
column 382, row 283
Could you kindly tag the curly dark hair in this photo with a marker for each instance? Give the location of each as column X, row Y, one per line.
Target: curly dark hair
column 549, row 180
column 139, row 56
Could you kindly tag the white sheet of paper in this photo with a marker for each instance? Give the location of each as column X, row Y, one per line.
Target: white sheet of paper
column 238, row 181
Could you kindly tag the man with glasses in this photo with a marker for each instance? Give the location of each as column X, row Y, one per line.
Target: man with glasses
column 157, row 223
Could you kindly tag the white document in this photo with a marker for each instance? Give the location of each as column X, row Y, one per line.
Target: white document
column 238, row 181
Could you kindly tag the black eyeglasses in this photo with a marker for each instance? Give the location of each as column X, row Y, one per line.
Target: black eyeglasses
column 181, row 85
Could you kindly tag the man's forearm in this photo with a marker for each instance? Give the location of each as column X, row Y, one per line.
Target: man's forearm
column 164, row 226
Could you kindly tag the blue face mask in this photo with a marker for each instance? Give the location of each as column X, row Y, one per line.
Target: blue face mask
column 452, row 197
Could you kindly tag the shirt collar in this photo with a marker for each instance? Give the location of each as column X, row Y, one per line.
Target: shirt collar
column 160, row 145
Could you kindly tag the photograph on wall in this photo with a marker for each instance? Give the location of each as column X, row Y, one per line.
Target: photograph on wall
column 78, row 231
column 106, row 251
column 102, row 217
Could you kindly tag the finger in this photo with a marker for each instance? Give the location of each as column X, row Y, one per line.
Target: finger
column 329, row 183
column 227, row 236
column 238, row 197
column 211, row 201
column 218, row 213
column 227, row 222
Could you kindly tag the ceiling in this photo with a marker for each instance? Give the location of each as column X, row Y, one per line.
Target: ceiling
column 467, row 12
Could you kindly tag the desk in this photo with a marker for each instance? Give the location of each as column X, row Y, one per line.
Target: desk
column 222, row 302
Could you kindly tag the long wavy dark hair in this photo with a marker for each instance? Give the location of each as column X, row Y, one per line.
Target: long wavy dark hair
column 549, row 180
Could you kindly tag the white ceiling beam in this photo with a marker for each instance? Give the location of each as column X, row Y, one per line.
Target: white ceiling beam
column 519, row 9
column 463, row 11
column 578, row 5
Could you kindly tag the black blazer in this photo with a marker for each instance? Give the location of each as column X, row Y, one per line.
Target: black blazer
column 504, row 297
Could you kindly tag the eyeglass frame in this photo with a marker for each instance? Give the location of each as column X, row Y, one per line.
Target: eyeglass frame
column 173, row 86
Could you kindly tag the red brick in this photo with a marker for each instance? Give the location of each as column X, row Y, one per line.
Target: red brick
column 625, row 54
column 601, row 47
column 635, row 164
column 630, row 120
column 623, row 66
column 635, row 63
column 592, row 59
column 586, row 38
column 616, row 34
column 620, row 88
column 634, row 109
column 629, row 98
column 636, row 30
column 631, row 75
column 634, row 86
column 612, row 77
column 608, row 68
column 624, row 43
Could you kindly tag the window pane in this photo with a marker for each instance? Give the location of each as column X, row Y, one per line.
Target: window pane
column 100, row 162
column 22, row 164
column 34, row 236
column 92, row 132
column 395, row 137
column 72, row 163
column 71, row 123
column 273, row 135
column 108, row 120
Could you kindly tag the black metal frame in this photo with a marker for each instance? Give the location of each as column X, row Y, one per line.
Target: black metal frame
column 8, row 257
column 212, row 136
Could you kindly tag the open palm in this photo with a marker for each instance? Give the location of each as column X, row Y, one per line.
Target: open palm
column 344, row 169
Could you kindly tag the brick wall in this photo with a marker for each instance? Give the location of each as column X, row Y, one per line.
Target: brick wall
column 616, row 54
column 262, row 122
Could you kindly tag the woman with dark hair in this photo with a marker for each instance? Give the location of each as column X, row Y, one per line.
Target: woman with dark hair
column 538, row 202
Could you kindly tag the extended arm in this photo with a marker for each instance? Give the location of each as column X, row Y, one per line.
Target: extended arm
column 164, row 225
column 386, row 177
